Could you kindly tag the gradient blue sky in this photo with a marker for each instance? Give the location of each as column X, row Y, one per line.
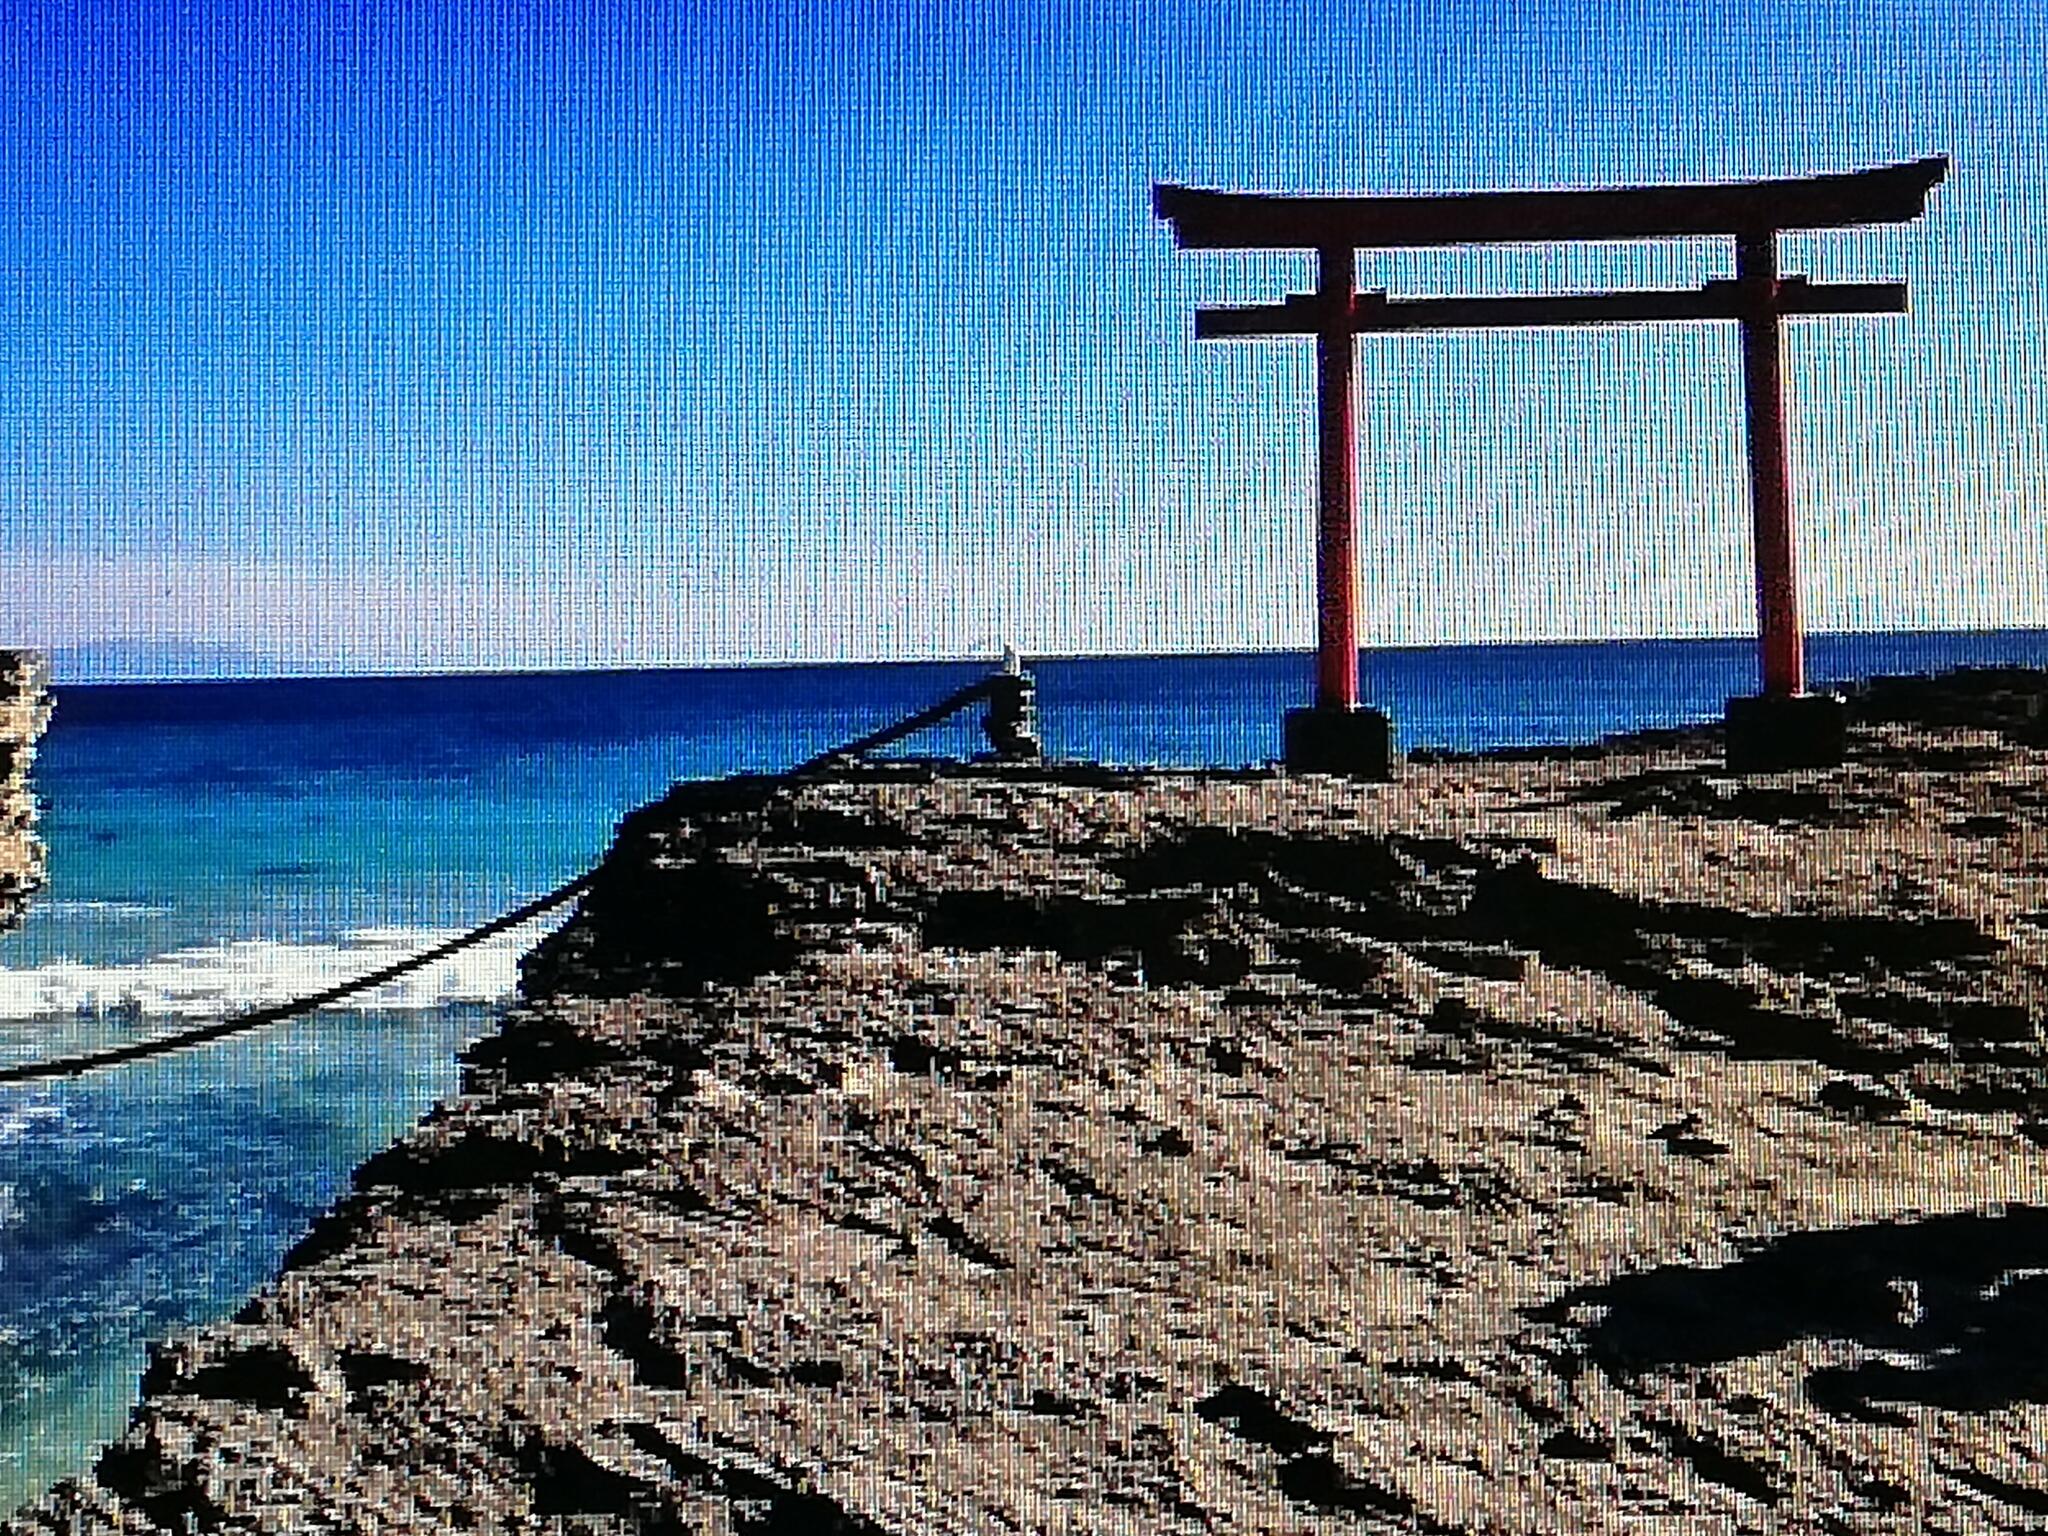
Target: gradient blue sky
column 394, row 337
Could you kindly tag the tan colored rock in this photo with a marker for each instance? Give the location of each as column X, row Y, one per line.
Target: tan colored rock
column 1583, row 1145
column 24, row 712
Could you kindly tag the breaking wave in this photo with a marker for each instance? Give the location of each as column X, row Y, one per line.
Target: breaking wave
column 70, row 908
column 210, row 979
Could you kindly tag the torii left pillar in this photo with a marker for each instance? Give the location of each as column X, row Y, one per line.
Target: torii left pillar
column 1784, row 727
column 1337, row 735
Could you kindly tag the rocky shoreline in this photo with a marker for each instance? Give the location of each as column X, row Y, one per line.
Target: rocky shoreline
column 24, row 712
column 1573, row 1141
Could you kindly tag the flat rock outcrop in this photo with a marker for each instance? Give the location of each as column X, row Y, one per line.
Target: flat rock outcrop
column 1589, row 1143
column 24, row 711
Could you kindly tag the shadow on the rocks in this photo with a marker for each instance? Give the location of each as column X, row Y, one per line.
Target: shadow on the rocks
column 1965, row 1297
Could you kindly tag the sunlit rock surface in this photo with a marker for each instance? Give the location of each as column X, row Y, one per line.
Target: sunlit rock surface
column 1588, row 1143
column 24, row 711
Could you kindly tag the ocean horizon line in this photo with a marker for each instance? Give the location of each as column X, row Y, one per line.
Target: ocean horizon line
column 441, row 674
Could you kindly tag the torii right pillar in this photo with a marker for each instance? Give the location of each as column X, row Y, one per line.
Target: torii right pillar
column 1784, row 727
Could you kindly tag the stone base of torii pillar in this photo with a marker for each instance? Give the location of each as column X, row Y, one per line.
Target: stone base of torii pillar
column 1774, row 735
column 1357, row 743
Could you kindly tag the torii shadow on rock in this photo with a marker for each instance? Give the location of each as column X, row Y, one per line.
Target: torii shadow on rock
column 1965, row 1295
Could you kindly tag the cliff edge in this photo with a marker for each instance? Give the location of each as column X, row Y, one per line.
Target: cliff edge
column 1562, row 1143
column 24, row 712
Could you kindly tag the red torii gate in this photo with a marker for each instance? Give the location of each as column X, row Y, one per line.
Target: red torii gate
column 1785, row 726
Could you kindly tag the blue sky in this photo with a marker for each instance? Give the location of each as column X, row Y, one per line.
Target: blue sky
column 394, row 337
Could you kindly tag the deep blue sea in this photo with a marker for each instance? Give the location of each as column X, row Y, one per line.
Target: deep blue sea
column 214, row 845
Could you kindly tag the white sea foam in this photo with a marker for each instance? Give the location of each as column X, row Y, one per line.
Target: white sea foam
column 16, row 1124
column 211, row 979
column 100, row 908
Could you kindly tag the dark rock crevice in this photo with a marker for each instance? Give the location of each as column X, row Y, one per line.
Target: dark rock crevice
column 565, row 1481
column 171, row 1493
column 263, row 1375
column 668, row 928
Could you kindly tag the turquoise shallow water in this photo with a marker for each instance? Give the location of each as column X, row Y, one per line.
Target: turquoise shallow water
column 218, row 845
column 137, row 1202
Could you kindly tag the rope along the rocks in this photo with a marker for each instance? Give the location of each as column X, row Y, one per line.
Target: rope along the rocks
column 909, row 724
column 111, row 1056
column 71, row 1066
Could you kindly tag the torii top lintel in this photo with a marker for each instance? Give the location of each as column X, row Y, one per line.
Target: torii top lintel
column 1214, row 220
